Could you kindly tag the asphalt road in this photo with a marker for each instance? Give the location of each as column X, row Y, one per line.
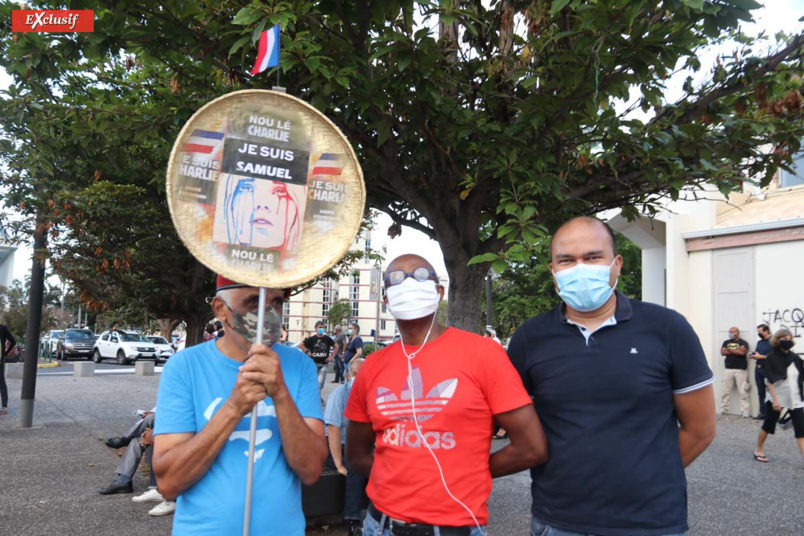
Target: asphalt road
column 49, row 474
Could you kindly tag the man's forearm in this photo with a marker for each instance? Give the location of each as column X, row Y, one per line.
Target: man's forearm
column 511, row 459
column 305, row 450
column 334, row 439
column 691, row 445
column 361, row 462
column 184, row 464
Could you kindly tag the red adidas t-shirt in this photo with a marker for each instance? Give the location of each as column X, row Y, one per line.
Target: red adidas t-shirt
column 459, row 381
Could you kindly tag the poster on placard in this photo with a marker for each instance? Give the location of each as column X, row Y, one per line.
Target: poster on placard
column 264, row 189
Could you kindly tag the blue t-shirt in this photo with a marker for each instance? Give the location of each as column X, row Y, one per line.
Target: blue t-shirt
column 194, row 384
column 606, row 405
column 336, row 403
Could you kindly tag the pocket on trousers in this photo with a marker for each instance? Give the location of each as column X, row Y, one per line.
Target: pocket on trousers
column 538, row 527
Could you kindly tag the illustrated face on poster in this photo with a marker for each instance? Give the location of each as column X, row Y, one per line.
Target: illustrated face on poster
column 259, row 213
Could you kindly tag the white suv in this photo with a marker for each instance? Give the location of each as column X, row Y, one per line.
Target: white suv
column 122, row 346
column 163, row 348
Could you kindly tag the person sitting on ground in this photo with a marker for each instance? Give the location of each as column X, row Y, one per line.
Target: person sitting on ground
column 136, row 430
column 131, row 458
column 355, row 497
column 784, row 377
column 138, row 440
column 165, row 507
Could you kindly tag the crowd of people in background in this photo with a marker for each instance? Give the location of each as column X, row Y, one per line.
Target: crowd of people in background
column 430, row 398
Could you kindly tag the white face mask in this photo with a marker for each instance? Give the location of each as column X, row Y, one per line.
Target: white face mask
column 412, row 299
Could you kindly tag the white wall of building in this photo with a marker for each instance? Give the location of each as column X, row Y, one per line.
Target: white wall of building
column 779, row 273
column 776, row 298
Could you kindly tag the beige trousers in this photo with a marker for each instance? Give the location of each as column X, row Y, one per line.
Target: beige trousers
column 735, row 378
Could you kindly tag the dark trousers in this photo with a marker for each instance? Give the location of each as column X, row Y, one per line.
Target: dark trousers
column 772, row 417
column 759, row 378
column 355, row 498
column 3, row 386
column 339, row 370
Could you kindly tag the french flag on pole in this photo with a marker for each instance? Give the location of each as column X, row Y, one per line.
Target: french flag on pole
column 268, row 52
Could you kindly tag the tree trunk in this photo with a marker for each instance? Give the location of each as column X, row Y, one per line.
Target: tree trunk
column 465, row 293
column 195, row 328
column 167, row 326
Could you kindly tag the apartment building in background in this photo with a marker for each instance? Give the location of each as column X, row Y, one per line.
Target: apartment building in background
column 303, row 310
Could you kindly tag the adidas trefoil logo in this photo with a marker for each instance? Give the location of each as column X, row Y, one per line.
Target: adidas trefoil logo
column 398, row 409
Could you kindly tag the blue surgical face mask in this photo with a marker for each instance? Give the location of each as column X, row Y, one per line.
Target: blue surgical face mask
column 349, row 331
column 585, row 287
column 320, row 331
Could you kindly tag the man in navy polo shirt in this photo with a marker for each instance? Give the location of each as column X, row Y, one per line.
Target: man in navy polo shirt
column 624, row 393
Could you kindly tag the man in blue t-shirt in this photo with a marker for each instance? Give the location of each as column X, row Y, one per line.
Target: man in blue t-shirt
column 623, row 391
column 355, row 498
column 206, row 395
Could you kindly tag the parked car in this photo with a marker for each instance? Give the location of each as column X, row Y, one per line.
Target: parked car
column 49, row 341
column 75, row 343
column 163, row 348
column 370, row 340
column 122, row 346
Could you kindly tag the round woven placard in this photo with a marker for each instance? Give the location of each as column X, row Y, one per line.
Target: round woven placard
column 264, row 189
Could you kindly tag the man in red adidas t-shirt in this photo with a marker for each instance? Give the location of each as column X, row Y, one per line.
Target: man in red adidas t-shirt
column 428, row 402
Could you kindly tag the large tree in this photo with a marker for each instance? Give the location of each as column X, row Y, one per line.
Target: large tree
column 483, row 124
column 85, row 142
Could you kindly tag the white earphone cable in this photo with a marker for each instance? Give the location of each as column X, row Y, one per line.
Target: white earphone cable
column 418, row 428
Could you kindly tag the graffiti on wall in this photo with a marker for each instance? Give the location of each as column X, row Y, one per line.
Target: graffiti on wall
column 791, row 318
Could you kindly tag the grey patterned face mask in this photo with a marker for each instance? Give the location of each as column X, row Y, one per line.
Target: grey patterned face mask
column 245, row 325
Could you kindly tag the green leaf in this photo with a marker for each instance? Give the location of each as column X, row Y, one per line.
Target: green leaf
column 694, row 4
column 499, row 266
column 528, row 83
column 246, row 16
column 238, row 44
column 557, row 6
column 485, row 257
column 403, row 61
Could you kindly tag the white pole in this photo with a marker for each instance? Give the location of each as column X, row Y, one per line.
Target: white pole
column 252, row 436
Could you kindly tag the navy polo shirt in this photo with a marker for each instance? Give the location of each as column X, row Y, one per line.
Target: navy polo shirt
column 606, row 405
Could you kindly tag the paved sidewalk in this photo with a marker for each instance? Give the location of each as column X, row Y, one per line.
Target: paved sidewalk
column 49, row 474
